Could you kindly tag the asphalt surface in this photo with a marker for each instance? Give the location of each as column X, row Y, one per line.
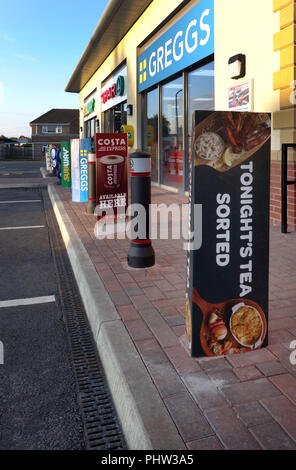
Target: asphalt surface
column 20, row 169
column 38, row 396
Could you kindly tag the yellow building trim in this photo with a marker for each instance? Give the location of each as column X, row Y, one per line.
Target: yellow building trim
column 284, row 119
column 283, row 78
column 285, row 98
column 288, row 56
column 287, row 15
column 279, row 4
column 284, row 38
column 288, row 136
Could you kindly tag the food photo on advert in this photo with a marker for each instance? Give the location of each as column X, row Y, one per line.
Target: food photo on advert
column 227, row 277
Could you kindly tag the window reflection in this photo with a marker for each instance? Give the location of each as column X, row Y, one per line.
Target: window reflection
column 150, row 131
column 201, row 93
column 172, row 133
column 201, row 96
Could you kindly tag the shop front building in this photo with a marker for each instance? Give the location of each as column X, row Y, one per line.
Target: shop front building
column 168, row 59
column 90, row 121
column 114, row 101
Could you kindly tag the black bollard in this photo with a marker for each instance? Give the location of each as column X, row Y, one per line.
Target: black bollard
column 92, row 192
column 141, row 253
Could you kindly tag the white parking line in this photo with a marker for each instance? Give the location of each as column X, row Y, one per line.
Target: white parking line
column 32, row 301
column 13, row 202
column 20, row 228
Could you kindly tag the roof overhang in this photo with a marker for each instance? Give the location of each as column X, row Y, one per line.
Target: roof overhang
column 50, row 123
column 118, row 17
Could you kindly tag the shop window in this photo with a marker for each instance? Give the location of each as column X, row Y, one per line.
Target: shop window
column 150, row 129
column 172, row 133
column 201, row 93
column 173, row 153
column 90, row 128
column 114, row 118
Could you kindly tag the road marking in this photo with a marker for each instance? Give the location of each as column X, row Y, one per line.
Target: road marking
column 13, row 202
column 20, row 228
column 33, row 301
column 12, row 172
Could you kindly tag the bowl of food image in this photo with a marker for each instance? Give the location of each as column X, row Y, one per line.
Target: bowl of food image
column 246, row 325
column 225, row 330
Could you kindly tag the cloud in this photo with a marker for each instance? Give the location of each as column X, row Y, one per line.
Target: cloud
column 27, row 58
column 5, row 37
column 1, row 93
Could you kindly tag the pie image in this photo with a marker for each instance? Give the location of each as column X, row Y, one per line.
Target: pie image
column 246, row 325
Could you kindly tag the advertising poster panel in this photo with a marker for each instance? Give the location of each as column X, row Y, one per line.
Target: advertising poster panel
column 66, row 164
column 47, row 158
column 175, row 166
column 240, row 97
column 112, row 167
column 227, row 273
column 55, row 157
column 79, row 169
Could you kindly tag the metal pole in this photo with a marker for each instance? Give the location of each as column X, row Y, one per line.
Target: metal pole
column 284, row 187
column 141, row 253
column 91, row 205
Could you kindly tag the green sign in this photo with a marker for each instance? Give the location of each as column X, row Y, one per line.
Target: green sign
column 120, row 86
column 91, row 106
column 66, row 164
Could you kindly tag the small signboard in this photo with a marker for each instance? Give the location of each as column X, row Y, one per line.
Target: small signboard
column 79, row 169
column 240, row 97
column 47, row 158
column 227, row 276
column 66, row 164
column 112, row 163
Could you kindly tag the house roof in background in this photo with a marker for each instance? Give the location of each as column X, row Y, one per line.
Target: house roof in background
column 57, row 116
column 118, row 17
column 5, row 140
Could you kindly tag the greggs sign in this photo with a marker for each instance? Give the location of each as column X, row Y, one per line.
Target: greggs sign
column 186, row 42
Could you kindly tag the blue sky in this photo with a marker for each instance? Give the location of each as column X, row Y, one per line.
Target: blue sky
column 40, row 45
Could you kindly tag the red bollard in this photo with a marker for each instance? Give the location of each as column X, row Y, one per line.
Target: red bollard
column 91, row 205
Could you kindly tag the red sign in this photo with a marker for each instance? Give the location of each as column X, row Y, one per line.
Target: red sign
column 175, row 166
column 108, row 94
column 112, row 163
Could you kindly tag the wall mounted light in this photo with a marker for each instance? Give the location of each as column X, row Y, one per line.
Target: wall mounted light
column 129, row 109
column 237, row 66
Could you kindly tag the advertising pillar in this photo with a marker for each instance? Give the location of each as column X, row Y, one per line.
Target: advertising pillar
column 228, row 260
column 66, row 164
column 112, row 186
column 47, row 158
column 79, row 169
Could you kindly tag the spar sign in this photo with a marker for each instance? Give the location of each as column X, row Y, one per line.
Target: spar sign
column 188, row 41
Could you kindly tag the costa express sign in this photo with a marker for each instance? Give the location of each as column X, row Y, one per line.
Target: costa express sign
column 117, row 89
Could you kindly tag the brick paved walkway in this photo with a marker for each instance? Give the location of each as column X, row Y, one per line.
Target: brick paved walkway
column 238, row 402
